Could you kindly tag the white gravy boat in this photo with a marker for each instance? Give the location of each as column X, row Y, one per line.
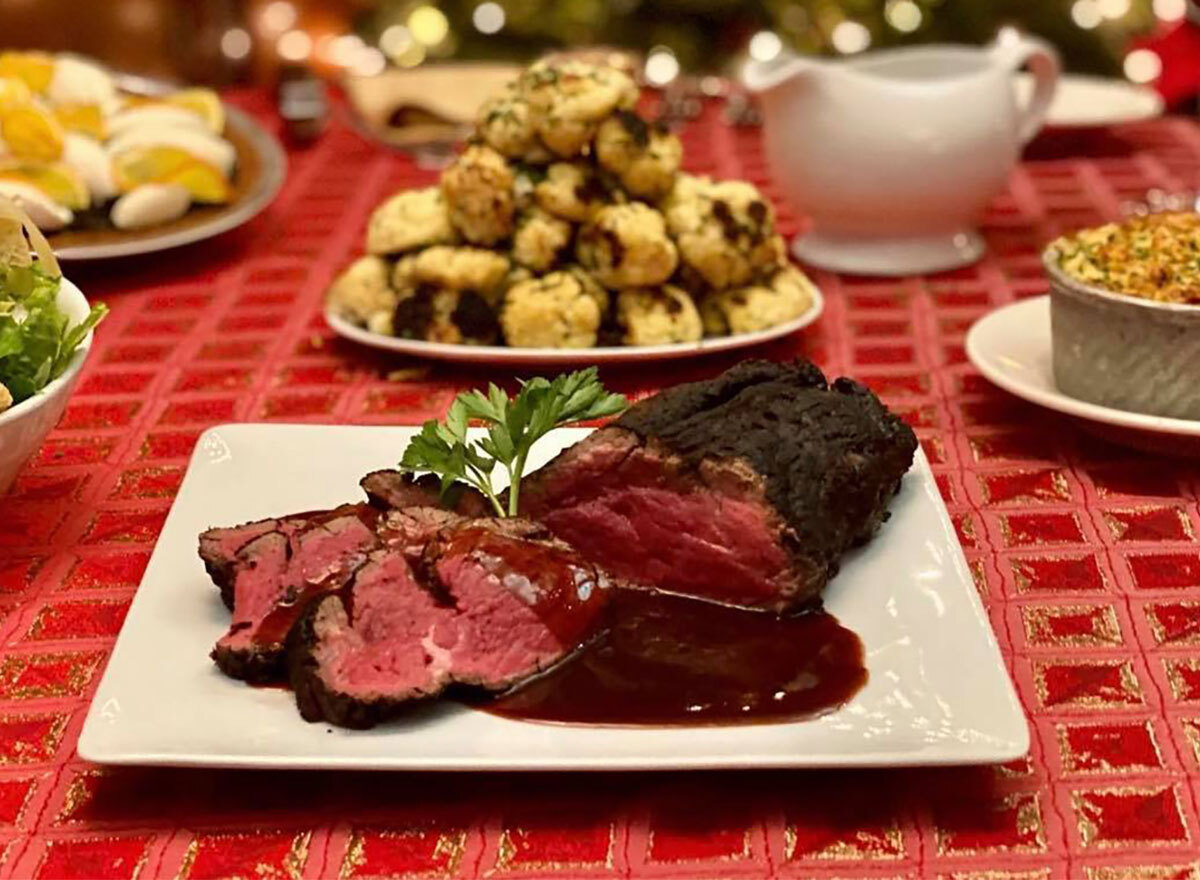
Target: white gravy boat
column 893, row 155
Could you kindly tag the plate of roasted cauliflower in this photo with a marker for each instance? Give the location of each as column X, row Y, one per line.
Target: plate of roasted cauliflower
column 566, row 231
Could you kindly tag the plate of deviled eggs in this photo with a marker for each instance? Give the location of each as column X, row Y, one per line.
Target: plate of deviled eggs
column 111, row 166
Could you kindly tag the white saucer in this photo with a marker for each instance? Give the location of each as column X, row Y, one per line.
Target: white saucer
column 892, row 257
column 1093, row 101
column 1011, row 347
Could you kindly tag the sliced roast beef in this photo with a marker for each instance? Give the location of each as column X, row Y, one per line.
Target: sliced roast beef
column 745, row 489
column 487, row 603
column 268, row 570
column 389, row 489
column 276, row 573
column 219, row 549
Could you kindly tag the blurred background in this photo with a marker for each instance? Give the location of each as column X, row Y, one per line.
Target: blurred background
column 221, row 42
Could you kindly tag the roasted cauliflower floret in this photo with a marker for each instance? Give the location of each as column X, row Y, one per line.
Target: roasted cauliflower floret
column 627, row 246
column 781, row 297
column 645, row 158
column 574, row 191
column 658, row 316
column 457, row 268
column 570, row 99
column 459, row 317
column 409, row 220
column 555, row 311
column 541, row 240
column 725, row 230
column 361, row 291
column 478, row 188
column 506, row 124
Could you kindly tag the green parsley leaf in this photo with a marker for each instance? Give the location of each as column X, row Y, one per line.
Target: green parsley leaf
column 513, row 425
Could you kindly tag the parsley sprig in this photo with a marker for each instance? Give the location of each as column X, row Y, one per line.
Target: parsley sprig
column 513, row 424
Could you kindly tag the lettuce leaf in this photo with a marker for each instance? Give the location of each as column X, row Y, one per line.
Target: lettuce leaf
column 36, row 343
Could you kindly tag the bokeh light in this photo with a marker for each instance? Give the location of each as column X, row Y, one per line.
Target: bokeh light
column 344, row 49
column 661, row 66
column 1114, row 9
column 849, row 37
column 277, row 17
column 1170, row 10
column 428, row 25
column 395, row 40
column 1142, row 66
column 488, row 18
column 765, row 45
column 1086, row 14
column 368, row 61
column 236, row 43
column 410, row 57
column 294, row 45
column 904, row 15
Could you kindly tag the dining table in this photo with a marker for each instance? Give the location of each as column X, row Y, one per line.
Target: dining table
column 1084, row 552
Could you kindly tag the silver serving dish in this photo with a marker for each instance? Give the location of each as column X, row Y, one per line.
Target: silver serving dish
column 1122, row 351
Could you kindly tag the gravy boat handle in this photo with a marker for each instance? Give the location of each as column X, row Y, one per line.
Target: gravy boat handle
column 1016, row 50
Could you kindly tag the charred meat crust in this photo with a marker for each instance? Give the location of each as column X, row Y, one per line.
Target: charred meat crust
column 221, row 573
column 253, row 666
column 829, row 456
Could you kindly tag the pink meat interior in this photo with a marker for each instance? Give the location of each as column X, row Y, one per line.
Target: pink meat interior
column 497, row 635
column 621, row 506
column 511, row 608
column 385, row 642
column 272, row 572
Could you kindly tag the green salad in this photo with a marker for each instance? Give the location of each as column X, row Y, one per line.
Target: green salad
column 36, row 339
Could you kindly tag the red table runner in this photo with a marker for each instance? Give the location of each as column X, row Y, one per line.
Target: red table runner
column 1085, row 554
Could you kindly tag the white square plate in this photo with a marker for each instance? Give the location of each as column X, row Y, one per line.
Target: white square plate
column 938, row 692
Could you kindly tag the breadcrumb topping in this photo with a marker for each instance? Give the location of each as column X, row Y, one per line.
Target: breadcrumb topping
column 1155, row 257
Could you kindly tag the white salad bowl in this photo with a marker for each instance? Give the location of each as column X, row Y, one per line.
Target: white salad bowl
column 25, row 425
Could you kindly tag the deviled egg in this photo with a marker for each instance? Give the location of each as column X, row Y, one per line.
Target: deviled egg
column 149, row 205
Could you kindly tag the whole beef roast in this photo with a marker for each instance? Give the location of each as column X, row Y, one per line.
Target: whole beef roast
column 745, row 489
column 485, row 603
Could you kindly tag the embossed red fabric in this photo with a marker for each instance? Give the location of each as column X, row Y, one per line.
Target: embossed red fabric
column 1085, row 554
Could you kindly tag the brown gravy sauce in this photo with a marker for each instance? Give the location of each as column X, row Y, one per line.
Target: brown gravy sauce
column 671, row 660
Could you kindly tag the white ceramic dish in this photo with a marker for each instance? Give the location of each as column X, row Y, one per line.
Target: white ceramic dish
column 938, row 691
column 1012, row 348
column 1094, row 101
column 262, row 160
column 837, row 134
column 24, row 426
column 503, row 355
